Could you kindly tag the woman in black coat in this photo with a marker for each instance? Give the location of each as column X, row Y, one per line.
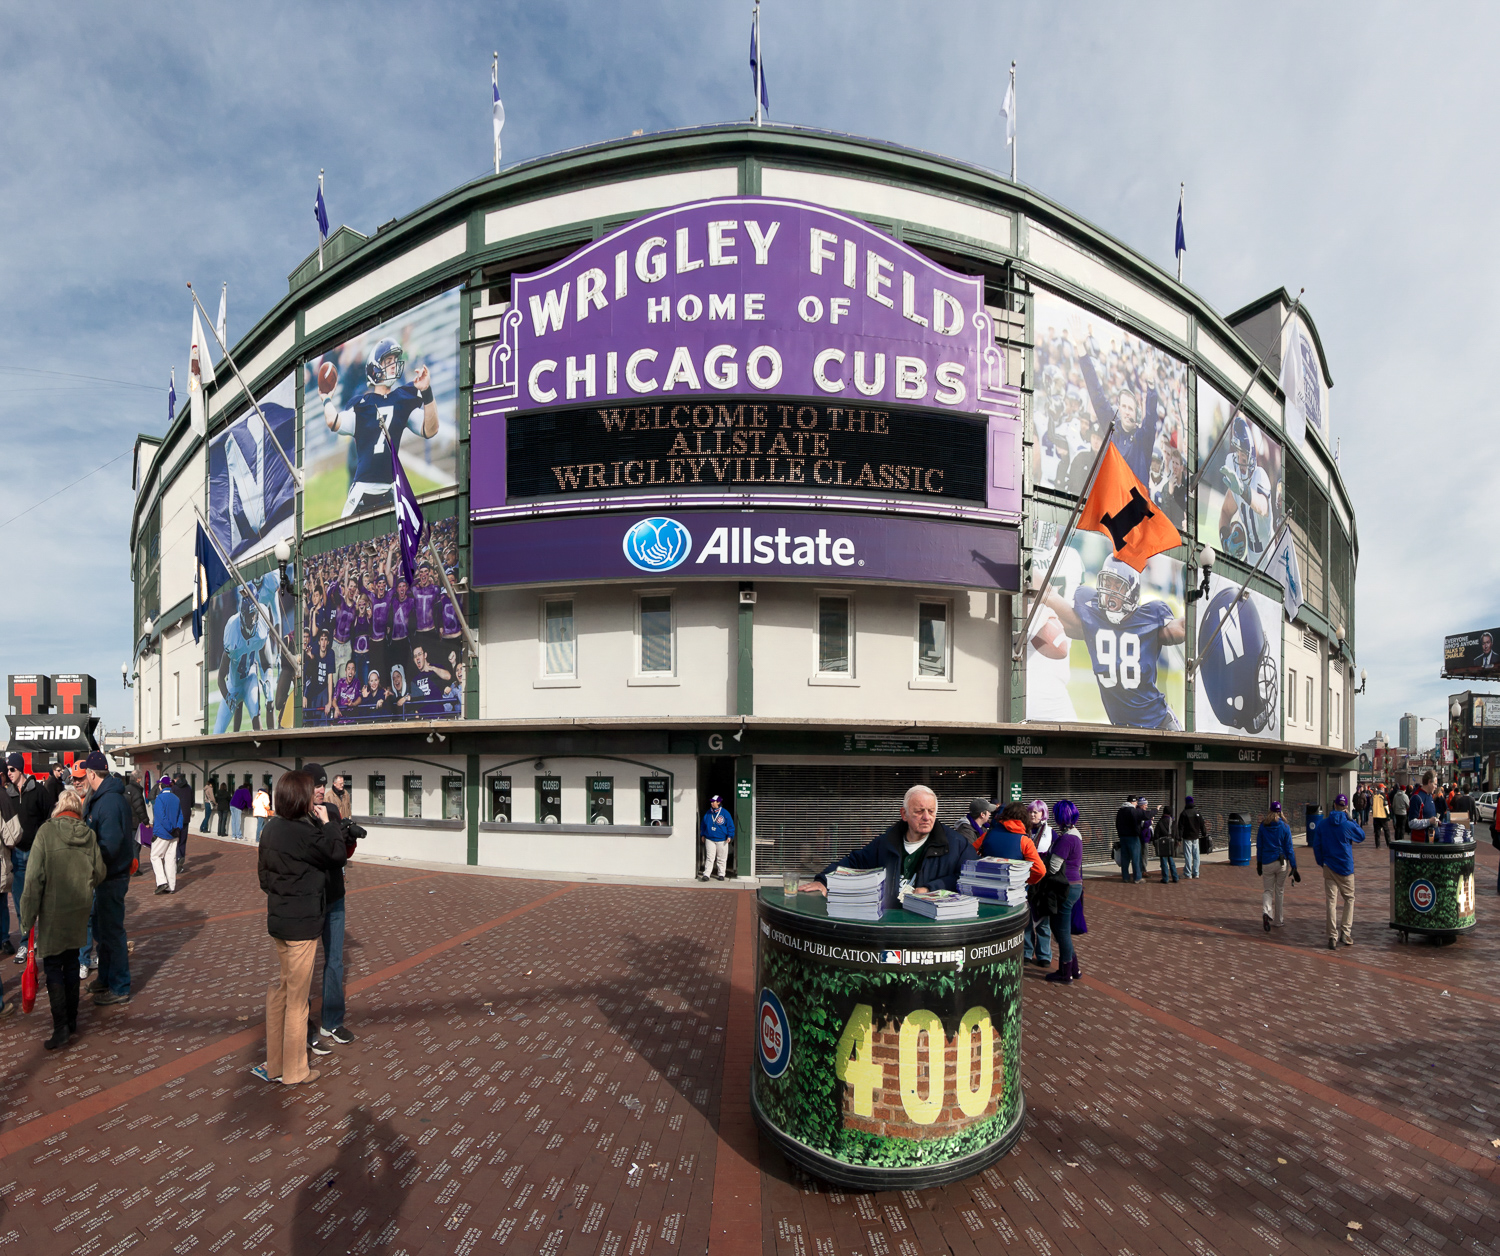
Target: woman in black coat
column 297, row 851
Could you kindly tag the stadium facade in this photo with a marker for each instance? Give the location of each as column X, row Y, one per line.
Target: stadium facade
column 736, row 447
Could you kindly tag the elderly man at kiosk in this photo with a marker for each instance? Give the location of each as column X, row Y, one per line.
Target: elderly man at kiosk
column 917, row 852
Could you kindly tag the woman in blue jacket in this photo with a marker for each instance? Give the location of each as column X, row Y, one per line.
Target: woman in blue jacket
column 1275, row 859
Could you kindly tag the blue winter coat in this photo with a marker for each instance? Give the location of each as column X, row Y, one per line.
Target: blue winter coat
column 107, row 812
column 1274, row 842
column 1333, row 842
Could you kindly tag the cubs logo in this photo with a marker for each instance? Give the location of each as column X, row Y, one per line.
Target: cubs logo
column 657, row 544
column 774, row 1033
column 1422, row 895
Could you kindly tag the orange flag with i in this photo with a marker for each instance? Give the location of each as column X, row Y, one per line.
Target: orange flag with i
column 1119, row 506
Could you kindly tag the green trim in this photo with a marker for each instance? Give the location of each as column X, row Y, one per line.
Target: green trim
column 471, row 806
column 744, row 684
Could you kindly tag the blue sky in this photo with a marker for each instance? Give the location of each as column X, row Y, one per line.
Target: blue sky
column 1346, row 148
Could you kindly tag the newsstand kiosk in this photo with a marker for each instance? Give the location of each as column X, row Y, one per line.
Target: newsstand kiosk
column 1432, row 885
column 889, row 1053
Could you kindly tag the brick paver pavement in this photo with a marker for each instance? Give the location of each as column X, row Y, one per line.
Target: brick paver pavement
column 546, row 1067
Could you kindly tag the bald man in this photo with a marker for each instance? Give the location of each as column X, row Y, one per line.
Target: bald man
column 917, row 852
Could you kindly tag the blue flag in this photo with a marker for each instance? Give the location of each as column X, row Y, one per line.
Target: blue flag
column 211, row 576
column 408, row 516
column 1181, row 238
column 320, row 212
column 172, row 398
column 758, row 69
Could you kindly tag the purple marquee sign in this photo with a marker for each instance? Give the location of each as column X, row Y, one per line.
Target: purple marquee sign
column 739, row 300
column 745, row 545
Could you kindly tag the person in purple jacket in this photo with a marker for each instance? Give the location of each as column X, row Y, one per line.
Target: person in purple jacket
column 403, row 613
column 452, row 652
column 1068, row 846
column 341, row 600
column 425, row 594
column 360, row 636
column 381, row 599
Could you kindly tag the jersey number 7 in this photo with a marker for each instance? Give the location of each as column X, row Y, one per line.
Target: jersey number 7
column 385, row 414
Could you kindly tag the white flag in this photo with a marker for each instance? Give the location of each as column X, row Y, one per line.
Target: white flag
column 1283, row 568
column 1008, row 112
column 221, row 324
column 200, row 372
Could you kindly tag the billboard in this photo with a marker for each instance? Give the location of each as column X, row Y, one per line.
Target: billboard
column 1302, row 382
column 1089, row 371
column 745, row 346
column 249, row 681
column 1472, row 654
column 251, row 496
column 373, row 648
column 402, row 374
column 1486, row 711
column 1106, row 647
column 1238, row 678
column 1240, row 489
column 744, row 545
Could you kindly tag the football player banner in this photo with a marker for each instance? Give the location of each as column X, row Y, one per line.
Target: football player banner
column 1238, row 676
column 404, row 372
column 249, row 679
column 1106, row 644
column 1240, row 488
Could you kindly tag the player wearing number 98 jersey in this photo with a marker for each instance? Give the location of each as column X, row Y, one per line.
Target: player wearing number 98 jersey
column 387, row 401
column 1125, row 641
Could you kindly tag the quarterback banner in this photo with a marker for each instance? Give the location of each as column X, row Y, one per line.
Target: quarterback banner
column 742, row 301
column 1240, row 488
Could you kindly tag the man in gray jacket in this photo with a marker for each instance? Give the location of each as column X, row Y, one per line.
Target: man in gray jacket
column 1399, row 804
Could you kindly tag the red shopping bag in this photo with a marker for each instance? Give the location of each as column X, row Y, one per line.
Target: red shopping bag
column 28, row 974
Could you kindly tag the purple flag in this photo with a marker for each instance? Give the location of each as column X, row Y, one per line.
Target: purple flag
column 408, row 516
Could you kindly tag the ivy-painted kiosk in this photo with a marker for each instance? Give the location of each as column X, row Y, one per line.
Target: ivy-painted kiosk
column 888, row 1054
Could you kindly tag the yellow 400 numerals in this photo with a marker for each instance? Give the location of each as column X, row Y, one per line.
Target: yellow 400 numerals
column 855, row 1063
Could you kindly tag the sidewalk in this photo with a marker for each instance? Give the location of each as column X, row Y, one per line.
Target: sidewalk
column 547, row 1067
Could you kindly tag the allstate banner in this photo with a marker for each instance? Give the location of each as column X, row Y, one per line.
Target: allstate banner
column 746, row 303
column 251, row 497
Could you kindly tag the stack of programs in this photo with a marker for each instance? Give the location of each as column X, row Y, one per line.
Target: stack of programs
column 993, row 877
column 856, row 893
column 941, row 904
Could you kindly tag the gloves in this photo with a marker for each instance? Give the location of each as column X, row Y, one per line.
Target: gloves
column 1258, row 871
column 1230, row 478
column 1296, row 876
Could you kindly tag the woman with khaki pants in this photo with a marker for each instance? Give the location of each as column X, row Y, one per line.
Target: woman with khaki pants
column 297, row 851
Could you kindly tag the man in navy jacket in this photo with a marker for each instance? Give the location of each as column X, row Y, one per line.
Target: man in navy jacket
column 917, row 851
column 1333, row 847
column 108, row 814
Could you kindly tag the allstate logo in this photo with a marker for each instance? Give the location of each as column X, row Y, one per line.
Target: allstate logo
column 775, row 1034
column 1423, row 896
column 657, row 544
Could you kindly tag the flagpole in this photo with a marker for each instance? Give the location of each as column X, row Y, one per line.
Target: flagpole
column 1083, row 497
column 1239, row 405
column 1181, row 205
column 759, row 64
column 495, row 80
column 1192, row 664
column 320, row 228
column 1015, row 136
column 290, row 466
column 294, row 659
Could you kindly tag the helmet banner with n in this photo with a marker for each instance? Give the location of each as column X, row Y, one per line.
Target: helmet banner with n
column 394, row 384
column 1240, row 488
column 1239, row 670
column 1106, row 644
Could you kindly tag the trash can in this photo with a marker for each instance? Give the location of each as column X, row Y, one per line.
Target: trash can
column 1314, row 814
column 1239, row 840
column 1432, row 885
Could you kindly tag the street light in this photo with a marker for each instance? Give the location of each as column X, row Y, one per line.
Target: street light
column 1364, row 678
column 283, row 553
column 125, row 675
column 1206, row 559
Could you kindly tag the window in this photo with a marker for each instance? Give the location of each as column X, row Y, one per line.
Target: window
column 656, row 801
column 655, row 617
column 932, row 641
column 1308, row 712
column 1291, row 696
column 377, row 795
column 549, row 800
column 835, row 638
column 200, row 688
column 177, row 693
column 453, row 798
column 411, row 796
column 601, row 800
column 500, row 799
column 559, row 639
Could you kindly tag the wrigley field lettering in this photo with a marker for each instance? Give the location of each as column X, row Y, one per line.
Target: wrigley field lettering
column 737, row 445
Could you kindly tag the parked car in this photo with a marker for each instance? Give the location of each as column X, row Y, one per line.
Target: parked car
column 1484, row 806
